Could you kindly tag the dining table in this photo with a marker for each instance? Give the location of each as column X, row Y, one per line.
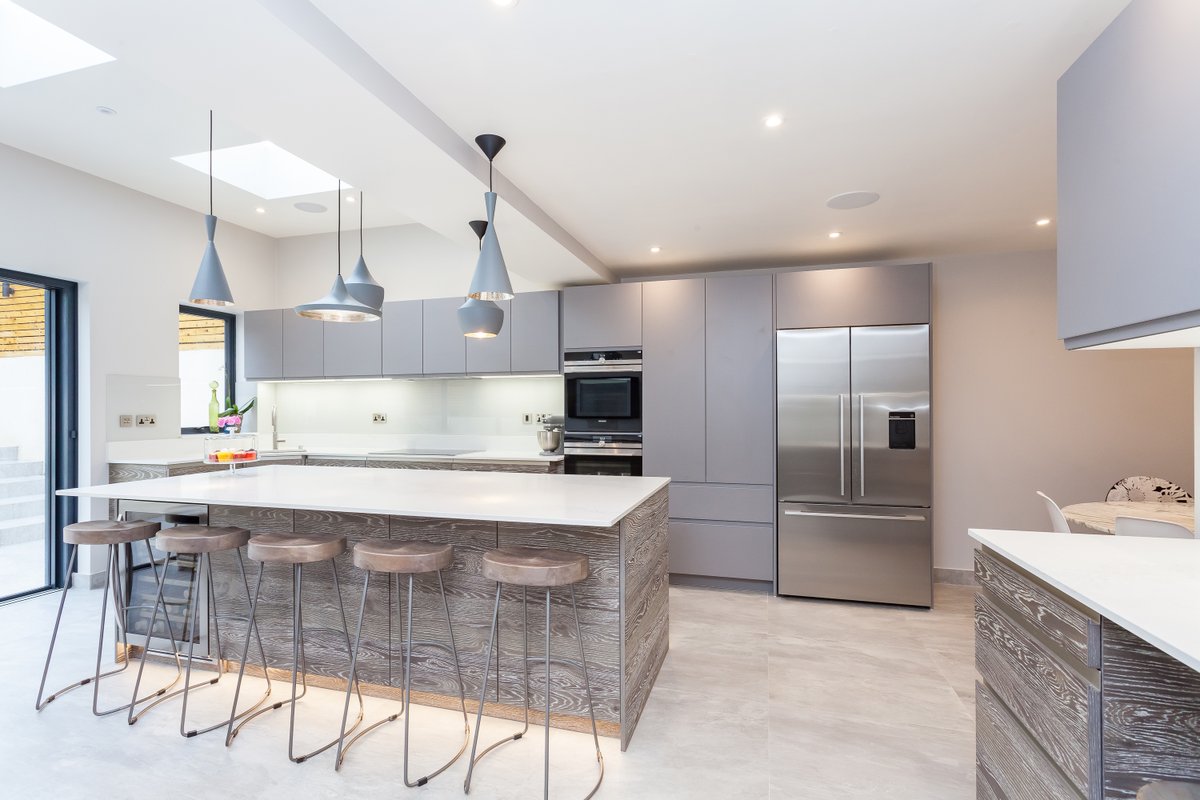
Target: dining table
column 1102, row 516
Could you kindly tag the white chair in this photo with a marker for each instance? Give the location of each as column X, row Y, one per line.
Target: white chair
column 1139, row 526
column 1057, row 521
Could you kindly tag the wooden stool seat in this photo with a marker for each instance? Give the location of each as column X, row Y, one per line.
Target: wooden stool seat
column 534, row 566
column 104, row 531
column 200, row 539
column 403, row 558
column 295, row 548
column 1169, row 790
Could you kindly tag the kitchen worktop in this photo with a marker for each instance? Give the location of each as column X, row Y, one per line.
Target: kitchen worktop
column 573, row 500
column 1149, row 586
column 177, row 452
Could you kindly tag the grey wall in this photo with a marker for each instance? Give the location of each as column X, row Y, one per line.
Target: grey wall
column 1014, row 412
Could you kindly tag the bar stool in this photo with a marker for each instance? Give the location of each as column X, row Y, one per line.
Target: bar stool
column 112, row 534
column 411, row 559
column 201, row 541
column 296, row 549
column 541, row 568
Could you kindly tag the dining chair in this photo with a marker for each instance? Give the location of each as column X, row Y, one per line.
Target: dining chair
column 1141, row 488
column 1057, row 521
column 1139, row 526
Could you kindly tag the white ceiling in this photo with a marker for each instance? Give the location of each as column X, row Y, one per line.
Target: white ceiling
column 630, row 124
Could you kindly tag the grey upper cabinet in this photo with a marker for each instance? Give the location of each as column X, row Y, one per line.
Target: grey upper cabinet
column 303, row 346
column 490, row 356
column 402, row 337
column 353, row 349
column 608, row 316
column 739, row 345
column 262, row 336
column 1128, row 125
column 673, row 379
column 829, row 298
column 443, row 346
column 534, row 329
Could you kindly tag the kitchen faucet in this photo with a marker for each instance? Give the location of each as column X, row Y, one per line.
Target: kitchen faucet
column 275, row 440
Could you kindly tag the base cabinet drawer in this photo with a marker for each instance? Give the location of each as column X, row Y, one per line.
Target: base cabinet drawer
column 723, row 502
column 1009, row 764
column 1057, row 705
column 721, row 550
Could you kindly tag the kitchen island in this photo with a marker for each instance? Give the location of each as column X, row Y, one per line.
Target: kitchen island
column 620, row 523
column 1089, row 652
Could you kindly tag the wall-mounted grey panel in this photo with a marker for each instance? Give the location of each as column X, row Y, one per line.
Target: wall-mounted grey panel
column 831, row 298
column 673, row 379
column 402, row 337
column 491, row 356
column 723, row 502
column 608, row 316
column 444, row 347
column 1128, row 125
column 303, row 346
column 722, row 550
column 740, row 383
column 353, row 349
column 535, row 332
column 262, row 333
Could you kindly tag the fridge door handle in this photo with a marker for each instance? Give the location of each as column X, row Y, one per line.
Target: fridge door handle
column 903, row 517
column 842, row 445
column 862, row 447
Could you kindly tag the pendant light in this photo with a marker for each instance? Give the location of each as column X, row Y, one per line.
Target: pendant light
column 210, row 287
column 338, row 305
column 490, row 281
column 362, row 284
column 480, row 319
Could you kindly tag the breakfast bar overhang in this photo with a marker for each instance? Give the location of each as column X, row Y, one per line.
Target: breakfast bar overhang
column 620, row 523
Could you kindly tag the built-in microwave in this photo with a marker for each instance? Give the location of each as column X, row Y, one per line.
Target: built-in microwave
column 595, row 454
column 604, row 391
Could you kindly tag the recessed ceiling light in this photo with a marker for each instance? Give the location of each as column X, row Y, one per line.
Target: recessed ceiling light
column 1043, row 222
column 106, row 111
column 656, row 249
column 349, row 198
column 848, row 200
column 835, row 234
column 261, row 210
column 32, row 48
column 264, row 169
column 311, row 208
column 505, row 3
column 773, row 120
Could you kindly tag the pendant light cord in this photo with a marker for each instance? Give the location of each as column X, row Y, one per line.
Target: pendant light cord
column 360, row 224
column 339, row 230
column 210, row 175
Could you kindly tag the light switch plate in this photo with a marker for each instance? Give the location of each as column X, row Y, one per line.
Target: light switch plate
column 125, row 420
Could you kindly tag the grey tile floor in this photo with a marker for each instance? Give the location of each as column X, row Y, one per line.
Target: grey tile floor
column 760, row 697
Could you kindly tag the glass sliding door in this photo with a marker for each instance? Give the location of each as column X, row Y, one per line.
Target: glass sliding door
column 37, row 429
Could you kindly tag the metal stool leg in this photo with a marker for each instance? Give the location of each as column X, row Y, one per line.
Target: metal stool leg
column 39, row 704
column 587, row 685
column 546, row 763
column 251, row 628
column 487, row 664
column 343, row 745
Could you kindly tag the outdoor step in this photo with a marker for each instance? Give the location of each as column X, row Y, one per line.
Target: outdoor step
column 25, row 529
column 20, row 469
column 24, row 485
column 8, row 453
column 23, row 506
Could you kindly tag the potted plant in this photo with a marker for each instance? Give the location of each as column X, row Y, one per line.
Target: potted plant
column 230, row 420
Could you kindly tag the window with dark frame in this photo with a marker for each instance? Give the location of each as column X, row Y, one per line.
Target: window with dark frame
column 207, row 354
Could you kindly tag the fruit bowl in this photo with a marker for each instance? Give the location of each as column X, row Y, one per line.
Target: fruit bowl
column 231, row 448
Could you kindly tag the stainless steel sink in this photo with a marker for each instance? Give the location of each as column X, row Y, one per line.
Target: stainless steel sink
column 422, row 451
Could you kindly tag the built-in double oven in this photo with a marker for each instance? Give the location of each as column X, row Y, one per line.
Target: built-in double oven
column 603, row 433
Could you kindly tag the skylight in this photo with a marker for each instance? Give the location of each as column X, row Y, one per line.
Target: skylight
column 263, row 169
column 32, row 48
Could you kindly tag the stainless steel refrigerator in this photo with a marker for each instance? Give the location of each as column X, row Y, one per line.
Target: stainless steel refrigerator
column 854, row 464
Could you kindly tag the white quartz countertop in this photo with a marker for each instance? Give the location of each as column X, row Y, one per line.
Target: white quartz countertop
column 484, row 456
column 588, row 500
column 1150, row 587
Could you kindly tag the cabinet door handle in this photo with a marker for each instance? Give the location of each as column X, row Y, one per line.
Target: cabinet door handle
column 842, row 445
column 903, row 517
column 862, row 447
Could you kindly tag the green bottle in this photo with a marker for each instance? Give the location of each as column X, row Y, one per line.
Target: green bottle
column 213, row 408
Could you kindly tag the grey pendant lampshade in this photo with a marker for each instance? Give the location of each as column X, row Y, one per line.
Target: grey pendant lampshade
column 210, row 287
column 490, row 281
column 362, row 284
column 339, row 305
column 480, row 319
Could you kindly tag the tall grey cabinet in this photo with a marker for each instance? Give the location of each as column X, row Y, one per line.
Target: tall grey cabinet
column 707, row 406
column 607, row 316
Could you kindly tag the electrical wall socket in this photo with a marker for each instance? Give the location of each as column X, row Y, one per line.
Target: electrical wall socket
column 541, row 419
column 377, row 417
column 125, row 420
column 527, row 419
column 146, row 420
